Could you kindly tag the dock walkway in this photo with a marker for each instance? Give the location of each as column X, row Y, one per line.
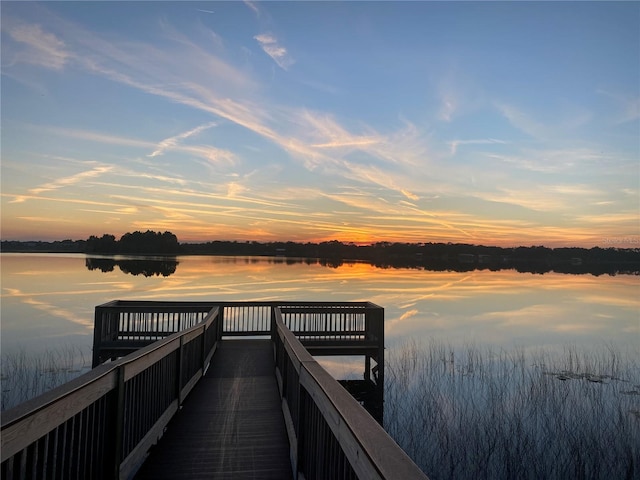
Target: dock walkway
column 231, row 425
column 216, row 390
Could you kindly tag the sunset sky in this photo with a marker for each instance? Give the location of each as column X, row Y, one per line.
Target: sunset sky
column 500, row 123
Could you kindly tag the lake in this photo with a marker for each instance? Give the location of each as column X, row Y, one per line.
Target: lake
column 48, row 299
column 517, row 371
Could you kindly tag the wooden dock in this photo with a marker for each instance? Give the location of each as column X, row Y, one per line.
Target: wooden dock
column 231, row 426
column 185, row 390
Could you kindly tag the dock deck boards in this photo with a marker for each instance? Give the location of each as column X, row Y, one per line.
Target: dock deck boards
column 231, row 425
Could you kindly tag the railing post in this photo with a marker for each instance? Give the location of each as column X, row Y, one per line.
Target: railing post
column 274, row 331
column 204, row 347
column 221, row 320
column 367, row 368
column 369, row 333
column 119, row 423
column 378, row 320
column 301, row 429
column 97, row 337
column 179, row 372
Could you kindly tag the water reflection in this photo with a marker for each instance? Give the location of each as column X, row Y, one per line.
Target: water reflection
column 49, row 299
column 463, row 263
column 135, row 266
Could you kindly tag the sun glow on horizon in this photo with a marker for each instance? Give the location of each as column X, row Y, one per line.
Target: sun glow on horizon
column 411, row 122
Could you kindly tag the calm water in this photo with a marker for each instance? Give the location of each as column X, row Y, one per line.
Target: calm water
column 48, row 303
column 48, row 299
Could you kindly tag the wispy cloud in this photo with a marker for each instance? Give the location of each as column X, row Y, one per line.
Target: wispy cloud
column 71, row 180
column 551, row 198
column 356, row 142
column 171, row 142
column 524, row 122
column 628, row 106
column 207, row 152
column 323, row 142
column 449, row 105
column 370, row 179
column 393, row 322
column 554, row 160
column 253, row 6
column 71, row 201
column 55, row 220
column 150, row 70
column 34, row 46
column 277, row 52
column 482, row 141
column 569, row 119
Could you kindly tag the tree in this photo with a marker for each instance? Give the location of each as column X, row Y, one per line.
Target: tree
column 106, row 244
column 135, row 243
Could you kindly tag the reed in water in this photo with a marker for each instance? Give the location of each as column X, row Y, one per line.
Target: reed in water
column 473, row 413
column 24, row 376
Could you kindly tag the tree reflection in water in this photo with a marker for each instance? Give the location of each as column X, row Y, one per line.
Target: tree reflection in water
column 148, row 267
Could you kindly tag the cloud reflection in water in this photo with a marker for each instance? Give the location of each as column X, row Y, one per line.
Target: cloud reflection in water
column 502, row 308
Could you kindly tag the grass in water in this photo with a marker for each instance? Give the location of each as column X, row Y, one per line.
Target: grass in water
column 24, row 376
column 471, row 413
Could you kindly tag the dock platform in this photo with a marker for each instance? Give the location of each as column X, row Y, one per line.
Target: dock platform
column 231, row 426
column 216, row 390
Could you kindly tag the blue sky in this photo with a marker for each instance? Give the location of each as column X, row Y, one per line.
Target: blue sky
column 502, row 123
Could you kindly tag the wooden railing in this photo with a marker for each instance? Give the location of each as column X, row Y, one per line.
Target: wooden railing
column 330, row 434
column 355, row 328
column 326, row 328
column 102, row 424
column 122, row 327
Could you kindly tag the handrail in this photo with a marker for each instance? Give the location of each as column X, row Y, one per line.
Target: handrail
column 330, row 434
column 133, row 324
column 101, row 425
column 114, row 413
column 124, row 326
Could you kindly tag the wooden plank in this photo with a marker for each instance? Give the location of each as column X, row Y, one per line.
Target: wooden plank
column 293, row 349
column 19, row 435
column 248, row 333
column 326, row 309
column 371, row 451
column 189, row 336
column 231, row 425
column 291, row 434
column 342, row 350
column 137, row 456
column 149, row 355
column 148, row 305
column 330, row 333
column 190, row 384
column 126, row 344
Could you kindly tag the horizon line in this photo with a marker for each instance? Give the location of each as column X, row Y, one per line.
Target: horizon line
column 632, row 242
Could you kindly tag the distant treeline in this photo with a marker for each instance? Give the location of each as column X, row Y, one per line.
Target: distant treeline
column 438, row 256
column 136, row 243
column 431, row 256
